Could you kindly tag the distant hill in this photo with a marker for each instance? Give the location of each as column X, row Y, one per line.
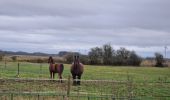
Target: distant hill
column 61, row 53
column 26, row 53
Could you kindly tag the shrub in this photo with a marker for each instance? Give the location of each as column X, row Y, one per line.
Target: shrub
column 14, row 58
column 159, row 59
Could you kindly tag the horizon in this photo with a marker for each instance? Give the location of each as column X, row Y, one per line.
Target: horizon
column 85, row 52
column 76, row 26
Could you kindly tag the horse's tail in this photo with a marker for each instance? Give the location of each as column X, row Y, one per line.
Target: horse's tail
column 61, row 68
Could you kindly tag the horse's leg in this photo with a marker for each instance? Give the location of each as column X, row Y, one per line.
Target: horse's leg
column 74, row 79
column 60, row 77
column 79, row 77
column 51, row 75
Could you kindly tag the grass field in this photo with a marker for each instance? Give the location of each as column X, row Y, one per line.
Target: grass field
column 127, row 81
column 33, row 70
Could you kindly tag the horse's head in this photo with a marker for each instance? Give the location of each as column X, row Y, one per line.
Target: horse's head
column 76, row 59
column 50, row 60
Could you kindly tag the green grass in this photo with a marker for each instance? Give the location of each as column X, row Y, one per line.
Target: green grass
column 143, row 82
column 32, row 70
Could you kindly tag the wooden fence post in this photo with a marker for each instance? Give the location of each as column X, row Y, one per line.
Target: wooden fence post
column 130, row 87
column 5, row 63
column 18, row 70
column 11, row 96
column 40, row 70
column 88, row 98
column 38, row 97
column 68, row 85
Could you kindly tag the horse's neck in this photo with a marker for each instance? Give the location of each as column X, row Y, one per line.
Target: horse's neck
column 52, row 64
column 76, row 64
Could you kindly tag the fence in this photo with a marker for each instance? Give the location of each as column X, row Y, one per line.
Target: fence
column 42, row 88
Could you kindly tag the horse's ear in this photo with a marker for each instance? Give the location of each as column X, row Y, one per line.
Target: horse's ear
column 77, row 57
column 74, row 57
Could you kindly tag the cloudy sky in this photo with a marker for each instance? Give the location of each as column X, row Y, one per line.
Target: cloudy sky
column 78, row 25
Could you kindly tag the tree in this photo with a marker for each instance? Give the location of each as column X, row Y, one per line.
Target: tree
column 159, row 59
column 95, row 55
column 84, row 59
column 107, row 54
column 69, row 57
column 134, row 59
column 122, row 56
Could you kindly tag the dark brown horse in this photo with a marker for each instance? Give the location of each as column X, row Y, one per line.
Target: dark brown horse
column 55, row 68
column 76, row 70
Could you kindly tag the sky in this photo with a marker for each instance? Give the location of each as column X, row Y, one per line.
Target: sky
column 51, row 26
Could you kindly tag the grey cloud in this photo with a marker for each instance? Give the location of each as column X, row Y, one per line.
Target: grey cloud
column 83, row 24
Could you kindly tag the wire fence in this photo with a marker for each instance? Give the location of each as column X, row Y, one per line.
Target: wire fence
column 47, row 89
column 43, row 88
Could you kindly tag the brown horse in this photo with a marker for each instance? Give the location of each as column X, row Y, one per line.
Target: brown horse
column 55, row 68
column 76, row 70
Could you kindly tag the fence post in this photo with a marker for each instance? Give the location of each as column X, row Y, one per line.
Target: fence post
column 5, row 63
column 38, row 97
column 68, row 85
column 130, row 87
column 40, row 70
column 11, row 96
column 88, row 98
column 18, row 70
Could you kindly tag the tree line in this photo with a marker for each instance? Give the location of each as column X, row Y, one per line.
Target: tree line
column 106, row 55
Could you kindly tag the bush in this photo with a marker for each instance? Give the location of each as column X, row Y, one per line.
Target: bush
column 159, row 60
column 134, row 59
column 14, row 58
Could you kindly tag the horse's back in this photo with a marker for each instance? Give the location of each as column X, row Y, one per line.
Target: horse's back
column 61, row 67
column 56, row 68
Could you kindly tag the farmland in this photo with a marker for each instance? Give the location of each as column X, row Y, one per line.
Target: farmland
column 124, row 81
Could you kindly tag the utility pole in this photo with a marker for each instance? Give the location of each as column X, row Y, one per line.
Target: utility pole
column 165, row 50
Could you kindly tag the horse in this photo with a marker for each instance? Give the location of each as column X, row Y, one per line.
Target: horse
column 55, row 68
column 77, row 69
